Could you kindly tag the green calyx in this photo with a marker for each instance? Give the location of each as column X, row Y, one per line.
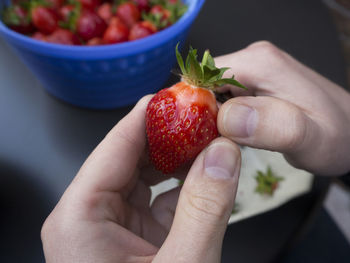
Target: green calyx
column 10, row 17
column 177, row 9
column 267, row 182
column 155, row 19
column 31, row 4
column 73, row 16
column 204, row 74
column 115, row 4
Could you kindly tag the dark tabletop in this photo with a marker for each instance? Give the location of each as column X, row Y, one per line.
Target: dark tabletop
column 43, row 141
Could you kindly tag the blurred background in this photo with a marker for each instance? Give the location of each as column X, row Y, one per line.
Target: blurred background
column 337, row 202
column 340, row 11
column 44, row 141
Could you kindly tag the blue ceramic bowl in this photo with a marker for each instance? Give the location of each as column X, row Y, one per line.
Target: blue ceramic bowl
column 103, row 77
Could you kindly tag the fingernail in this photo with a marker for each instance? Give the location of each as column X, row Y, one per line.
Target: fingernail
column 240, row 120
column 220, row 161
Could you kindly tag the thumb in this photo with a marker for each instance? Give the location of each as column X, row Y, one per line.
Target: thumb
column 204, row 207
column 267, row 123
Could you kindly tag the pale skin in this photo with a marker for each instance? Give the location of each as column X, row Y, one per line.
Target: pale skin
column 294, row 110
column 105, row 215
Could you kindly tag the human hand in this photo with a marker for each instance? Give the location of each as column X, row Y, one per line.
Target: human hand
column 105, row 214
column 289, row 108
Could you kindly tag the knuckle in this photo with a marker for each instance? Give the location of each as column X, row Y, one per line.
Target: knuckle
column 261, row 43
column 46, row 228
column 264, row 45
column 204, row 207
column 295, row 134
column 267, row 50
column 124, row 136
column 267, row 59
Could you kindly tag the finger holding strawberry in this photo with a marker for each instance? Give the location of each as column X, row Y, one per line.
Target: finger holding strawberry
column 181, row 120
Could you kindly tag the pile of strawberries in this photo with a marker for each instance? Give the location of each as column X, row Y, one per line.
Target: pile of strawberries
column 91, row 22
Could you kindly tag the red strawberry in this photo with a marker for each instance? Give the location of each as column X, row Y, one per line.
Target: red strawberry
column 159, row 16
column 63, row 36
column 142, row 29
column 83, row 22
column 55, row 3
column 65, row 11
column 39, row 36
column 178, row 129
column 105, row 12
column 116, row 32
column 59, row 36
column 90, row 25
column 181, row 120
column 143, row 5
column 128, row 13
column 45, row 19
column 94, row 41
column 89, row 4
column 177, row 9
column 160, row 11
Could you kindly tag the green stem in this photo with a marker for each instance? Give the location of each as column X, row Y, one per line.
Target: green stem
column 205, row 58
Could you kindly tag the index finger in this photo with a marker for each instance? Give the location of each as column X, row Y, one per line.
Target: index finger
column 111, row 166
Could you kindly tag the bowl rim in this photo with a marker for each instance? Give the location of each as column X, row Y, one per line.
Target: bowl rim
column 108, row 51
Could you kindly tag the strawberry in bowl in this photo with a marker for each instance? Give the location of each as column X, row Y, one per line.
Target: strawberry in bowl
column 93, row 22
column 97, row 69
column 181, row 120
